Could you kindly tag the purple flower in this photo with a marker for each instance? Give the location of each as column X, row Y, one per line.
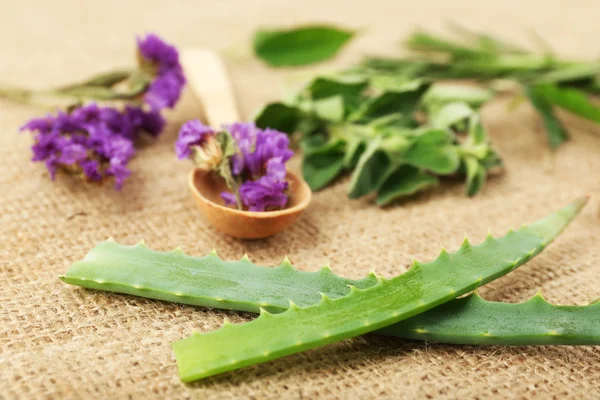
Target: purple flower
column 91, row 170
column 258, row 166
column 263, row 194
column 98, row 141
column 72, row 153
column 120, row 172
column 116, row 122
column 158, row 52
column 163, row 58
column 150, row 122
column 42, row 125
column 192, row 133
column 87, row 116
column 46, row 144
column 256, row 147
column 115, row 148
column 165, row 90
column 276, row 168
column 228, row 198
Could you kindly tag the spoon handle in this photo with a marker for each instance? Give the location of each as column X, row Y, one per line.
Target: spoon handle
column 208, row 78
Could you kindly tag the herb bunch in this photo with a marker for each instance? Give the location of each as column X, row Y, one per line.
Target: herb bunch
column 399, row 126
column 397, row 136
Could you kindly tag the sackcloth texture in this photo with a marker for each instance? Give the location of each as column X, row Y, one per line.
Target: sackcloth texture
column 63, row 342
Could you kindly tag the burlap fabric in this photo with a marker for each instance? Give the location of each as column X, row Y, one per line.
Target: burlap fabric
column 58, row 341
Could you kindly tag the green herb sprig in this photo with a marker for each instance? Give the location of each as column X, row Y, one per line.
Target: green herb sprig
column 548, row 81
column 396, row 134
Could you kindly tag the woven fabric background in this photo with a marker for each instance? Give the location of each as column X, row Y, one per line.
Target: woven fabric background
column 62, row 342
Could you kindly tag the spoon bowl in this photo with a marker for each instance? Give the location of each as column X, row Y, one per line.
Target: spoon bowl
column 206, row 189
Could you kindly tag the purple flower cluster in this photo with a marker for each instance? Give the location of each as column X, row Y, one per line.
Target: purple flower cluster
column 258, row 165
column 192, row 133
column 268, row 191
column 169, row 80
column 95, row 141
column 260, row 162
column 256, row 147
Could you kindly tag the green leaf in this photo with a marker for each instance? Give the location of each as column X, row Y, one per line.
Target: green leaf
column 370, row 172
column 573, row 100
column 106, row 79
column 404, row 181
column 450, row 115
column 473, row 320
column 485, row 42
column 423, row 287
column 555, row 131
column 393, row 82
column 571, row 73
column 299, row 46
column 140, row 271
column 279, row 116
column 477, row 132
column 476, row 176
column 473, row 96
column 320, row 144
column 433, row 151
column 349, row 88
column 392, row 102
column 355, row 149
column 320, row 169
column 330, row 109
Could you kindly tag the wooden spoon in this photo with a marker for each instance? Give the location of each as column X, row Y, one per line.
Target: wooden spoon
column 207, row 76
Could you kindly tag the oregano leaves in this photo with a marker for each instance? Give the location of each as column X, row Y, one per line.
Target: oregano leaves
column 393, row 142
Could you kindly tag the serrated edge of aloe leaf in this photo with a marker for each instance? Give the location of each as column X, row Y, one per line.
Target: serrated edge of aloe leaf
column 271, row 336
column 427, row 326
column 474, row 320
column 203, row 281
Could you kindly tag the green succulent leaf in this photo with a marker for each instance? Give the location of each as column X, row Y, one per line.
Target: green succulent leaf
column 300, row 46
column 473, row 320
column 423, row 287
column 242, row 285
column 404, row 181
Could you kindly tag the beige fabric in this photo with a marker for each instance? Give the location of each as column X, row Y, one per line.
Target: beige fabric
column 58, row 341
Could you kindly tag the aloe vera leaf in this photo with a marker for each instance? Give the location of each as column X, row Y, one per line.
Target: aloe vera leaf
column 473, row 320
column 460, row 321
column 204, row 281
column 164, row 275
column 423, row 287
